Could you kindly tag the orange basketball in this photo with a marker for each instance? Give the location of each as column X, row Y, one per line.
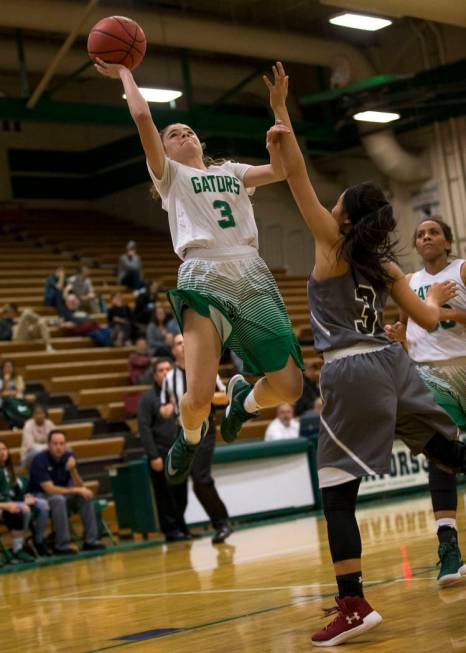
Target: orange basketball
column 117, row 39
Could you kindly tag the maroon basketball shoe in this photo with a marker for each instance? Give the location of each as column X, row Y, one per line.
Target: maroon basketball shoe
column 354, row 617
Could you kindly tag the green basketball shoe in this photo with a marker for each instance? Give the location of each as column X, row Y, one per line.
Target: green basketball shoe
column 452, row 567
column 235, row 414
column 180, row 457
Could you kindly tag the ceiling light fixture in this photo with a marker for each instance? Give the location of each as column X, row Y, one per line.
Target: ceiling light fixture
column 376, row 116
column 158, row 94
column 359, row 21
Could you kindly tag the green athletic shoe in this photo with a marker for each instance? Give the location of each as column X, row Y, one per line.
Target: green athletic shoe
column 452, row 567
column 180, row 457
column 235, row 415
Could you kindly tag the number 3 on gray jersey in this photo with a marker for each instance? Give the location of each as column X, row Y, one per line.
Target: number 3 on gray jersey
column 366, row 323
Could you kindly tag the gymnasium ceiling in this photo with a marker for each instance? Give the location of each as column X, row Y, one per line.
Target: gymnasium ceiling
column 417, row 66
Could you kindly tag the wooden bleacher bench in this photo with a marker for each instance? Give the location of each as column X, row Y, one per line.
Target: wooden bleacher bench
column 44, row 372
column 16, row 347
column 98, row 396
column 103, row 448
column 22, row 359
column 68, row 384
column 79, row 431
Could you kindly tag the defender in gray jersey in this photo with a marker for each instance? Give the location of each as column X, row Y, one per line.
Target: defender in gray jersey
column 370, row 388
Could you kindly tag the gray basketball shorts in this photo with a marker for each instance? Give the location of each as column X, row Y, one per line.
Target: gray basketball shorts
column 369, row 399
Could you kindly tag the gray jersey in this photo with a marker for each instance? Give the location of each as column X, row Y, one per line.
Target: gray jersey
column 346, row 311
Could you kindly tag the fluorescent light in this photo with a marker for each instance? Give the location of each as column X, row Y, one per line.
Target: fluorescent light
column 158, row 94
column 359, row 21
column 376, row 116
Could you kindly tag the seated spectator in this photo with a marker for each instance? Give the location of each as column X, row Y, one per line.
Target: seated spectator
column 75, row 319
column 35, row 434
column 54, row 287
column 119, row 319
column 284, row 426
column 130, row 268
column 11, row 383
column 139, row 361
column 310, row 420
column 55, row 477
column 159, row 337
column 310, row 388
column 80, row 284
column 16, row 510
column 7, row 320
column 23, row 327
column 146, row 300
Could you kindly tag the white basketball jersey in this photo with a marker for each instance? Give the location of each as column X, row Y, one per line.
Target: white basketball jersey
column 207, row 208
column 448, row 339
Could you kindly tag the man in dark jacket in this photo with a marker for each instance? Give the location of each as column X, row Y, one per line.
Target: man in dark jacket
column 158, row 430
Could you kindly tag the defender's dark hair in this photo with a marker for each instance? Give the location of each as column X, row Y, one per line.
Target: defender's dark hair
column 446, row 229
column 367, row 245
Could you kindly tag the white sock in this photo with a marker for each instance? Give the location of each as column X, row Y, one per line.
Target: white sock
column 193, row 436
column 16, row 544
column 250, row 404
column 446, row 521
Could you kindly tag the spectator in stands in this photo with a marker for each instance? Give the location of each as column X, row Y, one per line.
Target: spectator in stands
column 16, row 510
column 158, row 429
column 146, row 300
column 310, row 388
column 54, row 287
column 284, row 426
column 11, row 383
column 173, row 389
column 159, row 337
column 310, row 420
column 130, row 268
column 119, row 319
column 80, row 284
column 23, row 327
column 35, row 434
column 7, row 321
column 75, row 320
column 55, row 477
column 139, row 361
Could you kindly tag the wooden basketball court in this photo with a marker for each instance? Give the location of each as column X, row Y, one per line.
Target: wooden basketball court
column 261, row 592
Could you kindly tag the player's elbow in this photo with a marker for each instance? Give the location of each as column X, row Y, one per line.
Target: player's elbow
column 141, row 116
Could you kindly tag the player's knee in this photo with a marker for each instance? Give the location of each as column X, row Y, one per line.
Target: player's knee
column 292, row 389
column 196, row 402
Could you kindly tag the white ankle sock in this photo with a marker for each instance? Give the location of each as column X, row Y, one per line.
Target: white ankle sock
column 16, row 544
column 446, row 521
column 250, row 404
column 193, row 436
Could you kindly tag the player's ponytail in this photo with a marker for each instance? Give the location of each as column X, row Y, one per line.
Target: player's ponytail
column 367, row 245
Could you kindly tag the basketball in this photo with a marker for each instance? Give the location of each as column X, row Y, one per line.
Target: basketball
column 117, row 39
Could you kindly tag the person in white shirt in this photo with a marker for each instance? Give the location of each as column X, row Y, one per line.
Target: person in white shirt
column 440, row 357
column 226, row 295
column 284, row 426
column 35, row 434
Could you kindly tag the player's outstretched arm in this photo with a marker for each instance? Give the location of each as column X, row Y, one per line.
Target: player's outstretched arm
column 425, row 313
column 316, row 216
column 140, row 112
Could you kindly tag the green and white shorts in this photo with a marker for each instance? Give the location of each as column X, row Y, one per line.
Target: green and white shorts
column 242, row 299
column 447, row 382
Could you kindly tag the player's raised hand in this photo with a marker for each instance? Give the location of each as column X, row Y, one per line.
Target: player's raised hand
column 274, row 134
column 278, row 89
column 396, row 332
column 112, row 70
column 441, row 292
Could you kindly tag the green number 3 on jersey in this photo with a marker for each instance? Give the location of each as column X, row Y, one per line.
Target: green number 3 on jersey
column 225, row 212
